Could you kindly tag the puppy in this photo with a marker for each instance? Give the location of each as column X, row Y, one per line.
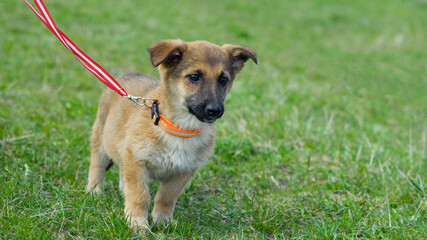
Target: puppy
column 195, row 79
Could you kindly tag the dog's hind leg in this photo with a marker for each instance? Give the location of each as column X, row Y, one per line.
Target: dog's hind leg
column 100, row 162
column 122, row 179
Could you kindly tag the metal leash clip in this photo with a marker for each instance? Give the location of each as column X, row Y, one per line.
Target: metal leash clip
column 137, row 103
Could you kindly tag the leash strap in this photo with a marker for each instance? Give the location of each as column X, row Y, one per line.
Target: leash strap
column 103, row 75
column 84, row 59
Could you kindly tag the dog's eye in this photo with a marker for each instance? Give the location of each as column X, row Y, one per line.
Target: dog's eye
column 223, row 80
column 194, row 77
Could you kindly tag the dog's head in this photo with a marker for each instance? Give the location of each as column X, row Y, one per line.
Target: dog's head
column 198, row 75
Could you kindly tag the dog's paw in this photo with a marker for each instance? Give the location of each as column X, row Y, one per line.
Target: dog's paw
column 139, row 222
column 94, row 190
column 163, row 220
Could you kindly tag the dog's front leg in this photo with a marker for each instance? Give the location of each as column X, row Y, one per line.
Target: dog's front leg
column 167, row 195
column 136, row 191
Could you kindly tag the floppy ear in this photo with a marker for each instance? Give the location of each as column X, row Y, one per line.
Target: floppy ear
column 168, row 52
column 239, row 55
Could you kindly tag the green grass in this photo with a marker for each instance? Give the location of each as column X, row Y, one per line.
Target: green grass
column 324, row 139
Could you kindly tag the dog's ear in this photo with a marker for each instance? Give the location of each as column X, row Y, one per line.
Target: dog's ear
column 239, row 55
column 168, row 52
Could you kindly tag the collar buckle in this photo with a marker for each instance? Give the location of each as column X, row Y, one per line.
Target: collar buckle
column 155, row 112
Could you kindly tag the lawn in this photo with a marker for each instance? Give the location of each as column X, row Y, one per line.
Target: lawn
column 324, row 139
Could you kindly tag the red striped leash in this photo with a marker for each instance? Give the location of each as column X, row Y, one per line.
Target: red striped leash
column 105, row 77
column 84, row 59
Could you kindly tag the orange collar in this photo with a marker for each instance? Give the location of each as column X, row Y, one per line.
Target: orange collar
column 168, row 126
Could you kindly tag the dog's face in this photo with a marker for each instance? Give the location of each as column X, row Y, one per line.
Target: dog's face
column 198, row 75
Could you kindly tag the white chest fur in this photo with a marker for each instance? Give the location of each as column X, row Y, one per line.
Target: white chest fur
column 177, row 154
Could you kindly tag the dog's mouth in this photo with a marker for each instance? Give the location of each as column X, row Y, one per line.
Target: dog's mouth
column 203, row 116
column 209, row 120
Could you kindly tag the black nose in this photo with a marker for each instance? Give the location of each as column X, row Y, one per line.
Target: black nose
column 214, row 111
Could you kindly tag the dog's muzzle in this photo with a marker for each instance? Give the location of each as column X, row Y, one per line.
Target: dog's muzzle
column 208, row 113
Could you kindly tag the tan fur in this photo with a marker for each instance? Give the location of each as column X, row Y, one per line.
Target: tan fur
column 125, row 134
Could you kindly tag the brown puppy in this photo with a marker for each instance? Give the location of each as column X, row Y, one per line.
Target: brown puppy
column 195, row 79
